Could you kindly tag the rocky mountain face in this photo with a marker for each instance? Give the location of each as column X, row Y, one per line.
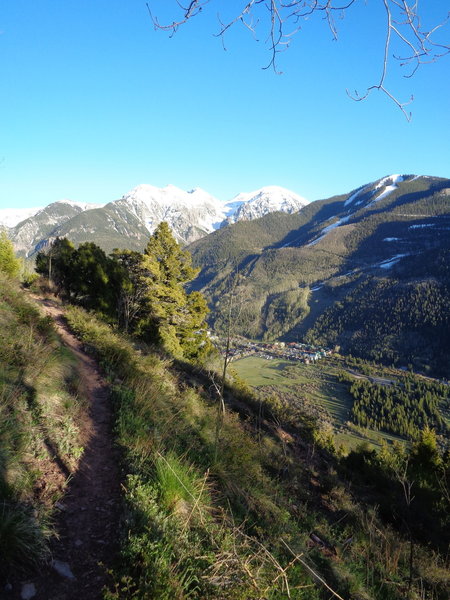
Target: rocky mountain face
column 368, row 271
column 29, row 234
column 127, row 222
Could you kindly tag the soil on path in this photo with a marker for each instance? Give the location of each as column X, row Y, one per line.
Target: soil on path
column 87, row 518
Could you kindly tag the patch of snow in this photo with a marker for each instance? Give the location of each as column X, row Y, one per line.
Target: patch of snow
column 327, row 229
column 83, row 205
column 10, row 217
column 359, row 191
column 421, row 225
column 393, row 180
column 387, row 264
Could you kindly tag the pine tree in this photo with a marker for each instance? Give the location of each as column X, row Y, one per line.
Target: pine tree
column 129, row 281
column 170, row 316
column 90, row 278
column 55, row 263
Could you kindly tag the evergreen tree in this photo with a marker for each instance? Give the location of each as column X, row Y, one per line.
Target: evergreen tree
column 426, row 462
column 90, row 283
column 9, row 264
column 170, row 316
column 129, row 277
column 55, row 263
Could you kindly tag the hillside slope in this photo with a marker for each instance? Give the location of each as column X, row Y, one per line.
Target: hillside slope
column 288, row 271
column 247, row 502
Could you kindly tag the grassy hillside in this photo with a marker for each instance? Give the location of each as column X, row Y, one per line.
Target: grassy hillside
column 39, row 438
column 256, row 506
column 248, row 504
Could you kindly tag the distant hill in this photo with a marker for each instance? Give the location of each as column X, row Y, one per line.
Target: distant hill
column 367, row 270
column 128, row 222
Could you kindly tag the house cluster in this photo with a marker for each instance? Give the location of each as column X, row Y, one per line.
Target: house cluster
column 292, row 351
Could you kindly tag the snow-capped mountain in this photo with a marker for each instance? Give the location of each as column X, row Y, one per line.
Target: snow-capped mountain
column 249, row 206
column 10, row 217
column 196, row 213
column 128, row 221
column 190, row 214
column 29, row 233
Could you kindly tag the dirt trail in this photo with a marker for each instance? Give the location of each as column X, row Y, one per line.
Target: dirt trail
column 88, row 515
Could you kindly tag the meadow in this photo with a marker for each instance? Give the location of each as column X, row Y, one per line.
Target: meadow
column 314, row 388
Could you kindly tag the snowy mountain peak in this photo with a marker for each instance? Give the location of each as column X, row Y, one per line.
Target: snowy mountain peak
column 170, row 195
column 81, row 205
column 194, row 213
column 10, row 217
column 271, row 198
column 190, row 214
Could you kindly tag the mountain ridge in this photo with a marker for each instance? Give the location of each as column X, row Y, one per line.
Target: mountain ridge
column 190, row 214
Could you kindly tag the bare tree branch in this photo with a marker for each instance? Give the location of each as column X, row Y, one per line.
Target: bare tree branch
column 280, row 20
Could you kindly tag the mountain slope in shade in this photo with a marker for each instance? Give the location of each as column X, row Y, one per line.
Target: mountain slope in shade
column 304, row 274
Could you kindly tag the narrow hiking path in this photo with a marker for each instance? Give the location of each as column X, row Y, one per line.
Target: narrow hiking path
column 87, row 516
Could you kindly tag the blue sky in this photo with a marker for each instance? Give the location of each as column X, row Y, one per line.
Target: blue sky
column 94, row 101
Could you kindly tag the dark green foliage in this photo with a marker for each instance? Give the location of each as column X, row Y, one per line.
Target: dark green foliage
column 130, row 284
column 55, row 263
column 404, row 409
column 410, row 487
column 90, row 272
column 143, row 293
column 392, row 321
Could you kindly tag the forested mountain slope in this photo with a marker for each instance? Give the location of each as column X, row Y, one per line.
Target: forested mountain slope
column 335, row 272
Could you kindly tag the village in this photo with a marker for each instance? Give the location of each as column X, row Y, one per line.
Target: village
column 242, row 347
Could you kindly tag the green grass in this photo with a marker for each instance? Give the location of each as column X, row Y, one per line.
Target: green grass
column 258, row 372
column 39, row 407
column 200, row 524
column 315, row 389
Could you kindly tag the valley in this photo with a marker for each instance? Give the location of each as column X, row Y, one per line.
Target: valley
column 318, row 274
column 319, row 389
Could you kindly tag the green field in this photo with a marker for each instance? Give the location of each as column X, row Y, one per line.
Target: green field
column 314, row 388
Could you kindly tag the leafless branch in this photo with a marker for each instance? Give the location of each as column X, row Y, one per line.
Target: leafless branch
column 280, row 20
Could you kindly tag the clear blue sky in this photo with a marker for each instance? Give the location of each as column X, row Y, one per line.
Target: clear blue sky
column 94, row 102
